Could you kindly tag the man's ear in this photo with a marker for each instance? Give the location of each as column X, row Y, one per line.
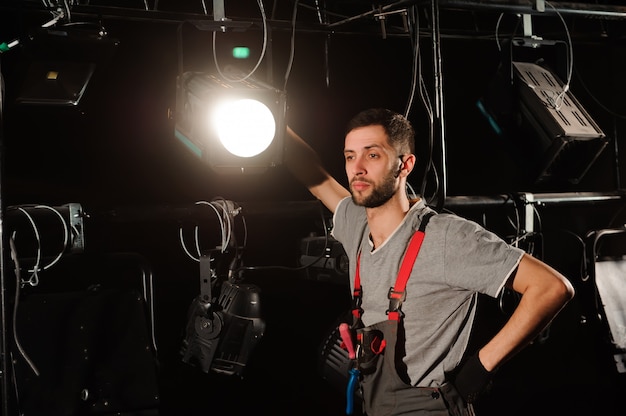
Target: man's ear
column 408, row 163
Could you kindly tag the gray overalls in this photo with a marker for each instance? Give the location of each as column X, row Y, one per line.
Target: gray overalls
column 378, row 357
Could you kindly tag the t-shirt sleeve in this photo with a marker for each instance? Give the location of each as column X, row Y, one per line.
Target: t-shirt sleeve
column 341, row 221
column 477, row 259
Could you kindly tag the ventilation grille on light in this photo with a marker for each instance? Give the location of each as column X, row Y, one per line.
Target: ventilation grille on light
column 560, row 113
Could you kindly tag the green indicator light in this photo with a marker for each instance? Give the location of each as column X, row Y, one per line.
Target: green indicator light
column 241, row 52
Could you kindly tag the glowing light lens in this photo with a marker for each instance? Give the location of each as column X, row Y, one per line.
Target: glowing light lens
column 245, row 127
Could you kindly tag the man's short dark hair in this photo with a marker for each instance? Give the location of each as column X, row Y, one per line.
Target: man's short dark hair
column 399, row 130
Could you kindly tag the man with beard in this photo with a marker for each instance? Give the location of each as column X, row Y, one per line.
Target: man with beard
column 413, row 318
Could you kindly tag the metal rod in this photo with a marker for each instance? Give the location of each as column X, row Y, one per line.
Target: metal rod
column 155, row 15
column 373, row 12
column 219, row 13
column 313, row 208
column 4, row 366
column 439, row 107
column 522, row 7
column 528, row 7
column 566, row 198
column 618, row 180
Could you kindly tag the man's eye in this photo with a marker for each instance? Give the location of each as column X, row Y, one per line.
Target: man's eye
column 372, row 155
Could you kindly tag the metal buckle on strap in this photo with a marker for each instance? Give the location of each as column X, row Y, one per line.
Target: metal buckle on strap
column 395, row 300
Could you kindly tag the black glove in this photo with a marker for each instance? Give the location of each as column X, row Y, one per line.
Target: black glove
column 471, row 379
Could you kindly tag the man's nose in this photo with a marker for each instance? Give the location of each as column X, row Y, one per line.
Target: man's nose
column 358, row 167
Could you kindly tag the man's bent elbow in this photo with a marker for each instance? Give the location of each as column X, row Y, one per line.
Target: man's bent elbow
column 564, row 291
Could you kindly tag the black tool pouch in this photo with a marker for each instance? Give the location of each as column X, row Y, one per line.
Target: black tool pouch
column 371, row 345
column 335, row 363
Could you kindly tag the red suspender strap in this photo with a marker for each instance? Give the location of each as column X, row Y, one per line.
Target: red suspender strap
column 397, row 294
column 356, row 294
column 408, row 261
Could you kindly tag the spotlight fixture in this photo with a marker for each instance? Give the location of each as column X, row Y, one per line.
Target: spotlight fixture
column 61, row 64
column 231, row 121
column 222, row 331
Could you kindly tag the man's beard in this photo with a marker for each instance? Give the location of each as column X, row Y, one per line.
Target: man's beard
column 380, row 194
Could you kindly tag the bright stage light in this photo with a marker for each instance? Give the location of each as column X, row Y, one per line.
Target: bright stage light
column 245, row 127
column 235, row 125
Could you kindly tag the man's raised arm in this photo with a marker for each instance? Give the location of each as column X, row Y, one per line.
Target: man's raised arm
column 305, row 164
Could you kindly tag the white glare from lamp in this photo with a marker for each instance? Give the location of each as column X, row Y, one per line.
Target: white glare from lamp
column 245, row 127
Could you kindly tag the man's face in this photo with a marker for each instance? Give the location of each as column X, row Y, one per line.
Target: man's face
column 372, row 166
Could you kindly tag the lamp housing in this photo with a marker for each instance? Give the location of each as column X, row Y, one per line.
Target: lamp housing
column 568, row 140
column 549, row 134
column 216, row 120
column 61, row 62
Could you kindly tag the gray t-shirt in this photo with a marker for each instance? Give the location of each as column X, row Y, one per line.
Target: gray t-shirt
column 458, row 259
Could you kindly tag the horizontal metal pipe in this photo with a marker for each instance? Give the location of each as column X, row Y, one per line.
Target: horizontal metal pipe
column 313, row 208
column 565, row 198
column 519, row 6
column 529, row 7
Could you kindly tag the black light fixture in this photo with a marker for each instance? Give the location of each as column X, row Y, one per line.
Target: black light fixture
column 569, row 140
column 231, row 121
column 530, row 104
column 61, row 63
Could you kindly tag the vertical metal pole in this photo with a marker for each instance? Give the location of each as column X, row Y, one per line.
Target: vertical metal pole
column 219, row 13
column 439, row 119
column 4, row 398
column 269, row 55
column 618, row 180
column 529, row 212
column 527, row 24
